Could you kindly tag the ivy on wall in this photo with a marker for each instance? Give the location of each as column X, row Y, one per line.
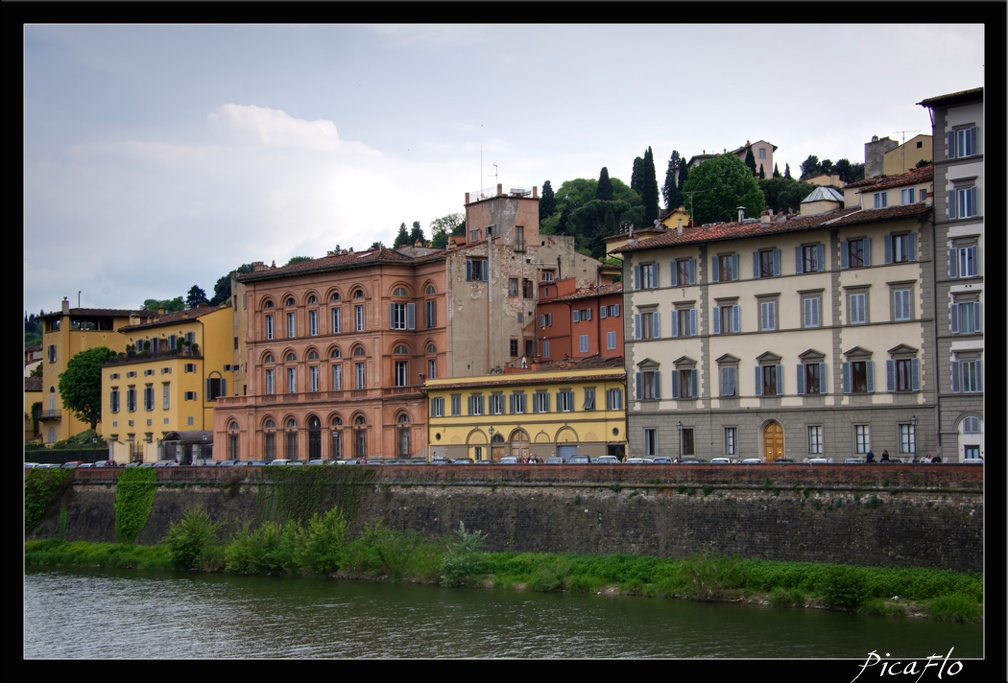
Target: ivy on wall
column 297, row 493
column 42, row 488
column 135, row 487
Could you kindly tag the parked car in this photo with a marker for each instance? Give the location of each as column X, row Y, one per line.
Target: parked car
column 279, row 461
column 30, row 465
column 71, row 464
column 555, row 460
column 752, row 461
column 85, row 464
column 165, row 463
column 817, row 461
column 784, row 461
column 48, row 466
column 226, row 463
column 853, row 461
column 462, row 461
column 254, row 463
column 639, row 461
column 606, row 460
column 440, row 461
column 317, row 462
column 692, row 461
column 721, row 461
column 579, row 460
column 508, row 460
column 661, row 460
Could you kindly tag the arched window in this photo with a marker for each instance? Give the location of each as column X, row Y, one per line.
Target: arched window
column 430, row 291
column 290, row 302
column 358, row 294
column 233, row 453
column 399, row 292
column 312, row 299
column 431, row 348
column 268, row 359
column 334, row 296
column 359, row 351
column 360, row 437
column 268, row 304
column 336, row 432
column 292, row 451
column 312, row 355
column 401, row 350
column 403, row 429
column 314, row 438
column 291, row 358
column 336, row 353
column 269, row 441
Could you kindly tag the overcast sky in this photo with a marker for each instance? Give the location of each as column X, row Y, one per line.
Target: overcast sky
column 158, row 157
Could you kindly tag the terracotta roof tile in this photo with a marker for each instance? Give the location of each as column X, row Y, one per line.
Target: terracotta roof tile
column 173, row 318
column 339, row 262
column 917, row 175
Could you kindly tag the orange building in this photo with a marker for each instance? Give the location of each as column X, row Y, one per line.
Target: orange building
column 579, row 322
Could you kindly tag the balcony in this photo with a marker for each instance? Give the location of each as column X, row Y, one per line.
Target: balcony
column 50, row 414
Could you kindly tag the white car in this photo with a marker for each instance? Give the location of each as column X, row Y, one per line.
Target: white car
column 720, row 461
column 606, row 460
column 752, row 461
column 639, row 461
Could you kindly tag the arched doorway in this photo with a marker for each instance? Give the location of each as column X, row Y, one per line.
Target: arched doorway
column 520, row 443
column 314, row 438
column 773, row 441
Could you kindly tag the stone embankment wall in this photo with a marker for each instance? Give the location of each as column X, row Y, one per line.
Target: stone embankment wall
column 872, row 515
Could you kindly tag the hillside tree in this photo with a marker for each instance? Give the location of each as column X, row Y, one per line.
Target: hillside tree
column 168, row 305
column 604, row 189
column 196, row 297
column 720, row 185
column 401, row 238
column 671, row 189
column 416, row 234
column 649, row 189
column 547, row 202
column 80, row 384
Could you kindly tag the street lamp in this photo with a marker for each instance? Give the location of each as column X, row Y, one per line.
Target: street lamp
column 491, row 443
column 913, row 425
column 678, row 426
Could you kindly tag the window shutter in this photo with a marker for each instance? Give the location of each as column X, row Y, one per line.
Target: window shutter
column 801, row 379
column 675, row 384
column 779, row 370
column 654, row 280
column 951, row 151
column 759, row 381
column 820, row 258
column 915, row 374
column 976, row 316
column 890, row 366
column 867, row 251
column 675, row 324
column 410, row 316
column 888, row 249
column 691, row 271
column 636, row 277
column 735, row 318
column 776, row 262
column 636, row 325
column 693, row 383
column 577, row 315
column 588, row 314
column 971, row 197
column 870, row 367
column 638, row 387
column 973, row 140
column 845, row 377
column 657, row 384
column 954, row 318
column 717, row 320
column 979, row 367
column 953, row 263
column 734, row 267
column 468, row 270
column 755, row 264
column 799, row 263
column 657, row 325
column 955, row 377
column 843, row 255
column 715, row 274
column 692, row 322
column 616, row 310
column 602, row 312
column 823, row 369
column 912, row 246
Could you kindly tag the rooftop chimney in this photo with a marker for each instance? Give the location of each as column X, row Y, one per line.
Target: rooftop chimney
column 741, row 213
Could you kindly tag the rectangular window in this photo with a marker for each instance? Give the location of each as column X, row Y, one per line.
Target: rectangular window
column 862, row 439
column 685, row 272
column 476, row 404
column 967, row 376
column 815, row 440
column 518, row 403
column 810, row 258
column 359, row 317
column 963, row 202
column 965, row 317
column 729, row 381
column 726, row 318
column 51, row 353
column 610, row 338
column 647, row 276
column 431, row 369
column 477, row 270
column 189, row 396
column 270, row 382
column 902, row 309
column 546, row 320
column 731, row 441
column 337, row 377
column 648, row 385
column 907, row 196
column 768, row 316
column 166, row 396
column 215, row 387
column 430, row 314
column 131, row 399
column 527, row 289
column 684, row 322
column 589, row 399
column 684, row 383
column 313, row 323
column 766, row 263
column 650, row 443
column 313, row 379
column 401, row 373
column 512, row 286
column 541, row 402
column 565, row 401
column 857, row 377
column 902, row 374
column 769, row 380
column 401, row 316
column 724, row 268
column 291, row 380
column 337, row 326
column 360, row 375
column 291, row 325
column 546, row 349
column 548, row 276
column 189, row 367
column 269, row 327
column 646, row 325
column 880, row 200
column 497, row 404
column 901, row 248
column 811, row 313
column 456, row 404
column 614, row 399
column 857, row 308
column 855, row 253
column 908, row 438
column 811, row 378
column 963, row 262
column 148, row 397
column 963, row 143
column 583, row 343
column 437, row 407
column 114, row 400
column 513, row 348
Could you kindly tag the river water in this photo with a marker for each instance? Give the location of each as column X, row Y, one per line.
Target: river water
column 111, row 614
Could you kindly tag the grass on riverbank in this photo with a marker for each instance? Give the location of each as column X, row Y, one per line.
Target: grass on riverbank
column 322, row 547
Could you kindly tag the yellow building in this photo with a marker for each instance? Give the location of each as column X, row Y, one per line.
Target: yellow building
column 65, row 333
column 562, row 409
column 32, row 395
column 167, row 382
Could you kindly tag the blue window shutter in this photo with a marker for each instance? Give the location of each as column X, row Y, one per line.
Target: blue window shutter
column 636, row 277
column 410, row 316
column 820, row 258
column 636, row 325
column 801, row 378
column 714, row 270
column 638, row 388
column 976, row 316
column 973, row 140
column 776, row 262
column 759, row 381
column 657, row 384
column 616, row 310
column 391, row 316
column 511, row 403
column 843, row 254
column 951, row 145
column 735, row 318
column 755, row 264
column 845, row 377
column 675, row 324
column 657, row 325
column 915, row 374
column 912, row 246
column 870, row 366
column 955, row 377
column 972, row 198
column 823, row 369
column 692, row 321
column 717, row 320
column 734, row 267
column 602, row 311
column 693, row 383
column 779, row 370
column 867, row 251
column 675, row 384
column 654, row 281
column 691, row 271
column 468, row 270
column 577, row 315
column 799, row 263
column 953, row 262
column 888, row 249
column 979, row 365
column 973, row 257
column 954, row 318
column 890, row 366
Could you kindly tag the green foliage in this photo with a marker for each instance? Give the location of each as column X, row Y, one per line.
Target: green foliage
column 80, row 384
column 787, row 597
column 604, row 188
column 784, row 195
column 401, row 238
column 299, row 492
column 297, row 259
column 193, row 541
column 135, row 487
column 169, row 305
column 322, row 543
column 42, row 488
column 672, row 187
column 196, row 297
column 547, row 202
column 844, row 588
column 957, row 608
column 56, row 552
column 380, row 551
column 465, row 559
column 721, row 185
column 706, row 575
column 89, row 438
column 417, row 234
column 268, row 550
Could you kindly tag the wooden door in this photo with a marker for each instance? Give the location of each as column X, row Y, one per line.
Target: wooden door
column 773, row 441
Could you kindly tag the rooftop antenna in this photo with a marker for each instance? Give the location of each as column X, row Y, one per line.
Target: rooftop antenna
column 495, row 176
column 903, row 168
column 692, row 216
